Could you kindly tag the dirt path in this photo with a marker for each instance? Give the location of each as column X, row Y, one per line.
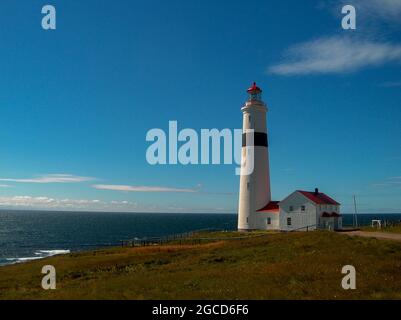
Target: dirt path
column 377, row 235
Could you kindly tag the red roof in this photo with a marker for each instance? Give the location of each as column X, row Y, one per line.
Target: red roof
column 254, row 88
column 272, row 206
column 318, row 197
column 331, row 215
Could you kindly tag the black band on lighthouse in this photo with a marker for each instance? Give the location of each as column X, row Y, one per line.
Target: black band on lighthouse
column 259, row 139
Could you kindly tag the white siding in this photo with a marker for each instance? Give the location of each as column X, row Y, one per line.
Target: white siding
column 300, row 220
column 263, row 221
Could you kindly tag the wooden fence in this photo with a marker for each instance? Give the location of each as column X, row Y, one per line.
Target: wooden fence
column 182, row 239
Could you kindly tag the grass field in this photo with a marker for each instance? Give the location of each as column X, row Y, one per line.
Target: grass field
column 393, row 229
column 271, row 266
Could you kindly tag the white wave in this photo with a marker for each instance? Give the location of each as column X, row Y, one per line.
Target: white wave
column 25, row 259
column 41, row 254
column 52, row 252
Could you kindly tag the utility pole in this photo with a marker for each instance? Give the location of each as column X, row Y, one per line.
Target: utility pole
column 355, row 214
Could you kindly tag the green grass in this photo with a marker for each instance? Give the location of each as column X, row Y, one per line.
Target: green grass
column 273, row 266
column 392, row 229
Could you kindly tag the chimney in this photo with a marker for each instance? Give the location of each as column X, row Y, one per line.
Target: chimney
column 316, row 191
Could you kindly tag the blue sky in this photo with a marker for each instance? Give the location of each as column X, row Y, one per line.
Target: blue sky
column 76, row 103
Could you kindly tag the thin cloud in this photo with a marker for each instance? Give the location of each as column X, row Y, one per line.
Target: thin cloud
column 50, row 178
column 389, row 182
column 395, row 84
column 219, row 193
column 367, row 11
column 335, row 55
column 382, row 9
column 126, row 188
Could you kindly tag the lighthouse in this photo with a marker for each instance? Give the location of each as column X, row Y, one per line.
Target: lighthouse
column 301, row 210
column 255, row 193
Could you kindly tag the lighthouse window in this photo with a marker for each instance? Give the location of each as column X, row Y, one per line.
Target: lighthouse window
column 247, row 186
column 249, row 118
column 288, row 221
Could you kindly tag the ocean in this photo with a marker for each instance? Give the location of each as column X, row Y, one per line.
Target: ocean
column 30, row 235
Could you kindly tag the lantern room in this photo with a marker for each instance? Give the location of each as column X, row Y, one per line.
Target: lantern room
column 255, row 93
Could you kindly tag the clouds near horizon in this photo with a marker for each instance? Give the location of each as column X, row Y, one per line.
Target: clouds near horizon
column 50, row 203
column 94, row 205
column 126, row 188
column 50, row 178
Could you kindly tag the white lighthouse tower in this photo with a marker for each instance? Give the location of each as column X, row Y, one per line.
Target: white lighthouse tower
column 255, row 191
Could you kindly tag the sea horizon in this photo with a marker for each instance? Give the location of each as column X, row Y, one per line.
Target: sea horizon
column 166, row 212
column 27, row 235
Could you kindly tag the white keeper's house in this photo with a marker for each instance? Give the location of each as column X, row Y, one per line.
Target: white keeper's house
column 301, row 210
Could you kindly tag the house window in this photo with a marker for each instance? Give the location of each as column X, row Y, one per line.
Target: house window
column 291, row 208
column 289, row 221
column 269, row 220
column 303, row 208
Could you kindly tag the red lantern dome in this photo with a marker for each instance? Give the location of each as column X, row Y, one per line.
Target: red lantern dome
column 254, row 89
column 255, row 93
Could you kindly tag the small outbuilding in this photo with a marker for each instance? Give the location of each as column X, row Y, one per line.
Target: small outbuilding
column 269, row 216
